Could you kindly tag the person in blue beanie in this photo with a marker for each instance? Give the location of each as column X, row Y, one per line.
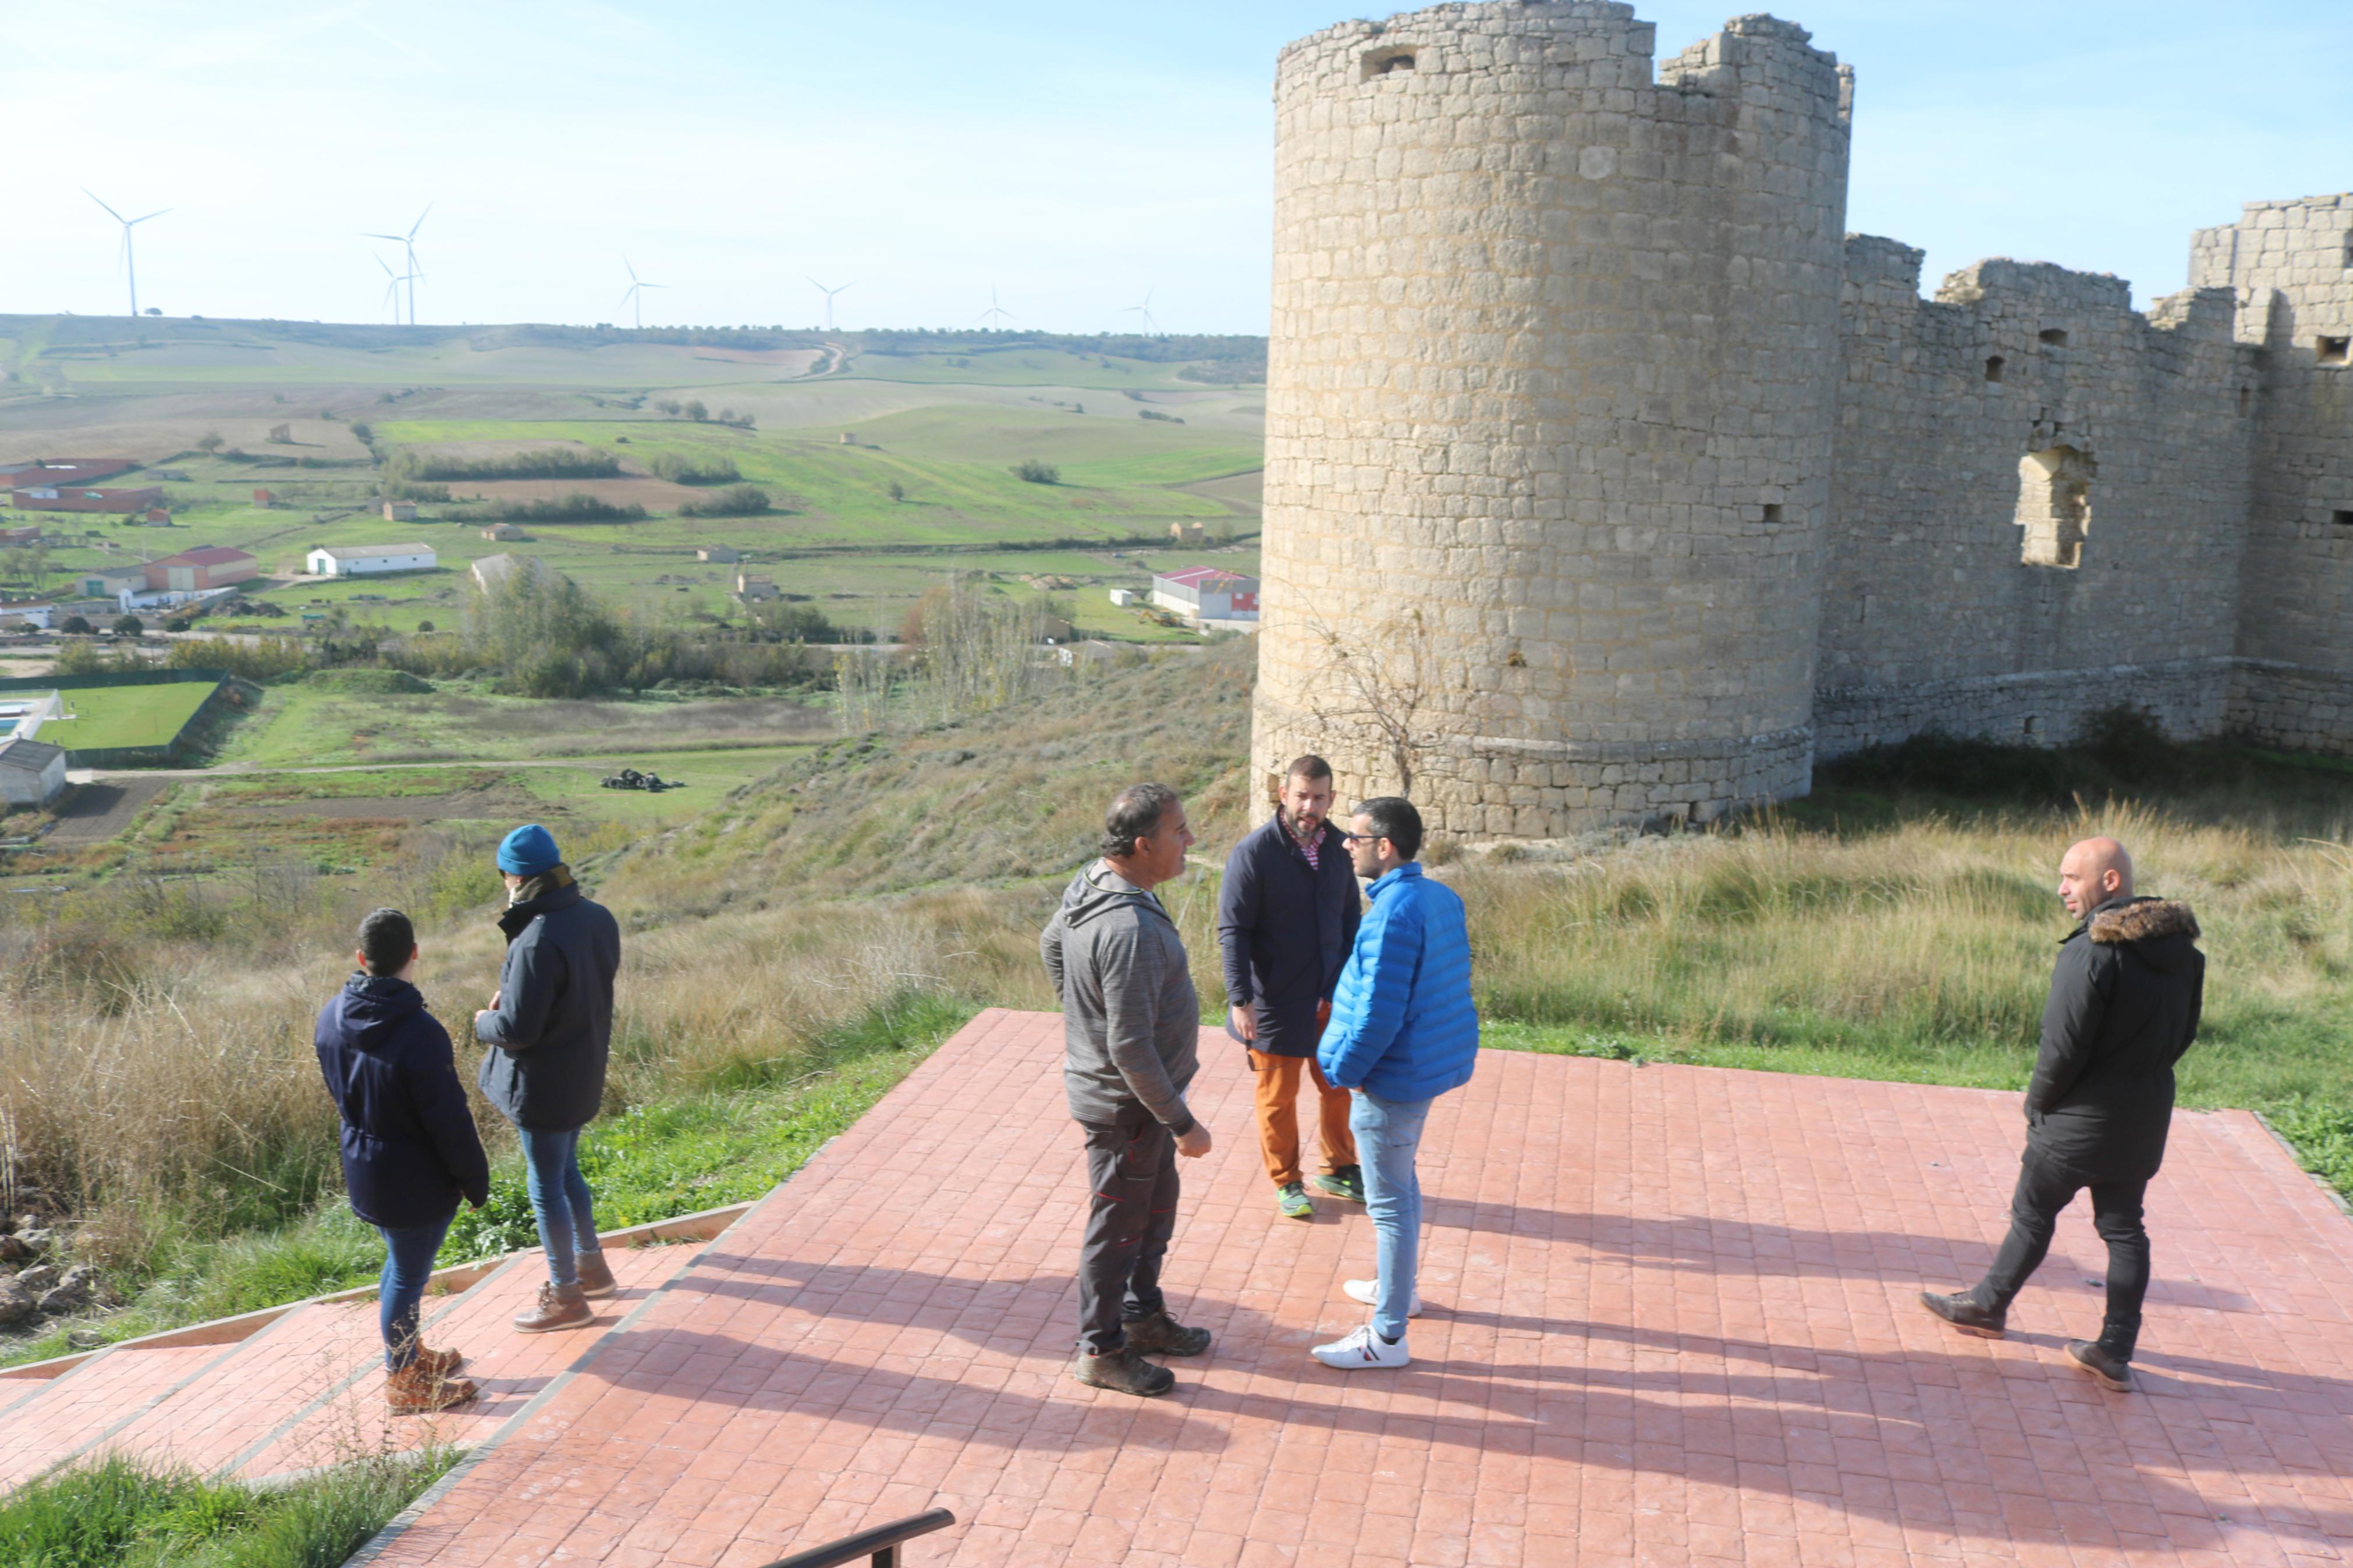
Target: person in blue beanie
column 410, row 1151
column 1404, row 1031
column 550, row 1028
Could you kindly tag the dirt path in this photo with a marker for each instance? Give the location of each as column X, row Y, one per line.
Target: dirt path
column 100, row 811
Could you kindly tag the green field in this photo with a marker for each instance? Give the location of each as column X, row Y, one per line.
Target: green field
column 109, row 716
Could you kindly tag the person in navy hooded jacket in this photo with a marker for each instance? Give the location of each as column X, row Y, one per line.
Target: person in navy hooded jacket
column 410, row 1151
column 1403, row 1032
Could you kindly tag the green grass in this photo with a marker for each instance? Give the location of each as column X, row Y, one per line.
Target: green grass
column 120, row 1512
column 107, row 716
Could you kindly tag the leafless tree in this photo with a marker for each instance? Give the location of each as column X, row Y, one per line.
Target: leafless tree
column 1389, row 677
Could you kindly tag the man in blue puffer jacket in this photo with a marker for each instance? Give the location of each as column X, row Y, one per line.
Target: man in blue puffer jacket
column 1403, row 1032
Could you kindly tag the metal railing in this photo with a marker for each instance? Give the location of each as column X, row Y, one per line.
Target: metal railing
column 882, row 1542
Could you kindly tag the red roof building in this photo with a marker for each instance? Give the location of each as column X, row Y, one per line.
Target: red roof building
column 194, row 570
column 1207, row 593
column 63, row 470
column 83, row 498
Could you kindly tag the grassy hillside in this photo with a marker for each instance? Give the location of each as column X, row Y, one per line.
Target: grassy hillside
column 796, row 943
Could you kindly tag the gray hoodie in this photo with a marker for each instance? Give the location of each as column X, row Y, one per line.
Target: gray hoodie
column 1130, row 1022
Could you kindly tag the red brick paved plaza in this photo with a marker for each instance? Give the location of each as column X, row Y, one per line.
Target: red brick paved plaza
column 1671, row 1321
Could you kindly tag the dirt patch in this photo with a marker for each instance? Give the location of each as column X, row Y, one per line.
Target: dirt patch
column 472, row 804
column 96, row 812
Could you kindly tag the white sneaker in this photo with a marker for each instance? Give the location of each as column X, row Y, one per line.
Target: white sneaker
column 1362, row 1349
column 1368, row 1293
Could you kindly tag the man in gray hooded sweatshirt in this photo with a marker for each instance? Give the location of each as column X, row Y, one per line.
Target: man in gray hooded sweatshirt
column 1131, row 1032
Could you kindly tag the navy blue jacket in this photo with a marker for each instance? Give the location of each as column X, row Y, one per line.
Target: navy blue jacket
column 1403, row 1024
column 410, row 1151
column 554, row 1023
column 1285, row 929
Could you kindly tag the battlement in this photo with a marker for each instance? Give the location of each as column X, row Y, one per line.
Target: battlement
column 1585, row 415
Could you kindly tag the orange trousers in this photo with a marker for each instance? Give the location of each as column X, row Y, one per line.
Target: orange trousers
column 1277, row 1116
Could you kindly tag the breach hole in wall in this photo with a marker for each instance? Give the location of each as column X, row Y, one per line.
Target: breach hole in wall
column 2332, row 350
column 1772, row 512
column 2055, row 336
column 1993, row 367
column 1386, row 62
column 2054, row 506
column 2341, row 519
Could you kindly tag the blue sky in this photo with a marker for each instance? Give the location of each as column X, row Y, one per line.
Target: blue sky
column 1074, row 156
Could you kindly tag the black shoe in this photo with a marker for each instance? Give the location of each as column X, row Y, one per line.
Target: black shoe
column 1122, row 1372
column 1161, row 1334
column 1963, row 1312
column 2111, row 1372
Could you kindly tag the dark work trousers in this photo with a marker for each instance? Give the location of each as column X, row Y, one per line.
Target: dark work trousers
column 2044, row 1189
column 1132, row 1170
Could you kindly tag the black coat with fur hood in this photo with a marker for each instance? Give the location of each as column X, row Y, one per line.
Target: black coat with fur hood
column 2124, row 1002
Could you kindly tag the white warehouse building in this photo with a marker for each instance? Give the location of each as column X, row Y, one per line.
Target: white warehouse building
column 365, row 559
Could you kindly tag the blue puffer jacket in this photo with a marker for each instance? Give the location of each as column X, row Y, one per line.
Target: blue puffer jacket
column 1403, row 1024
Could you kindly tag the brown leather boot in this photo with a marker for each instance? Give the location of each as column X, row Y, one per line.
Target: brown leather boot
column 439, row 1363
column 596, row 1275
column 414, row 1391
column 558, row 1307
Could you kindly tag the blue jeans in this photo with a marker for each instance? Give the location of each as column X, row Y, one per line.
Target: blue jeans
column 408, row 1255
column 560, row 1200
column 1388, row 1131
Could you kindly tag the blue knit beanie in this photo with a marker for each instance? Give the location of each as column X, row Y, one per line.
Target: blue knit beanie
column 529, row 851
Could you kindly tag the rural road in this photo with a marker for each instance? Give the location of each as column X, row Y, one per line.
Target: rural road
column 249, row 770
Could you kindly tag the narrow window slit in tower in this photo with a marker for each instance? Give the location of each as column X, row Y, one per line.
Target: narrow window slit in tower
column 2030, row 726
column 1383, row 62
column 2055, row 336
column 2341, row 517
column 2054, row 506
column 2332, row 350
column 2246, row 400
column 1993, row 367
column 1772, row 512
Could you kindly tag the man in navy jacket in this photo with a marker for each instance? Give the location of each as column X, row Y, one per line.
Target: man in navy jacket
column 1287, row 914
column 410, row 1151
column 1404, row 1031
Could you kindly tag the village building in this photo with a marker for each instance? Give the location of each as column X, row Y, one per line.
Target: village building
column 66, row 470
column 370, row 560
column 494, row 572
column 507, row 530
column 79, row 498
column 196, row 571
column 719, row 553
column 113, row 581
column 32, row 773
column 752, row 589
column 400, row 512
column 1206, row 594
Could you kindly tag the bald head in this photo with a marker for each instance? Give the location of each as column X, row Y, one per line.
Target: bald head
column 2091, row 872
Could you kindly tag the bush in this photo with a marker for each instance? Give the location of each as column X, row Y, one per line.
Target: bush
column 736, row 501
column 129, row 627
column 75, row 627
column 409, row 464
column 1036, row 473
column 694, row 468
column 579, row 506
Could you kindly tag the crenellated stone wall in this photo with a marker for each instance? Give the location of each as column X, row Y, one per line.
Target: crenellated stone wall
column 1608, row 481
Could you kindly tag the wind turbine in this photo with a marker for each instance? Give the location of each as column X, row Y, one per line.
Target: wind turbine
column 1144, row 311
column 408, row 242
column 995, row 312
column 829, row 293
column 632, row 296
column 130, row 269
column 392, row 287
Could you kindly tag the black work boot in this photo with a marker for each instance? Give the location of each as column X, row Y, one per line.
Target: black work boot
column 1963, row 1312
column 1122, row 1372
column 2111, row 1371
column 1161, row 1334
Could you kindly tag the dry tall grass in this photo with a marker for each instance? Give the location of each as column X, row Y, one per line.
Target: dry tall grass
column 1936, row 933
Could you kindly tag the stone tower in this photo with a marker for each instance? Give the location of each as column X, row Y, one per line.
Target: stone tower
column 1552, row 386
column 2290, row 265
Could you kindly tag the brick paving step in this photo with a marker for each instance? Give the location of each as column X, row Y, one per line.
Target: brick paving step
column 307, row 1389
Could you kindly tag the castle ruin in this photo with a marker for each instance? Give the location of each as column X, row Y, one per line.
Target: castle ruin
column 1609, row 481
